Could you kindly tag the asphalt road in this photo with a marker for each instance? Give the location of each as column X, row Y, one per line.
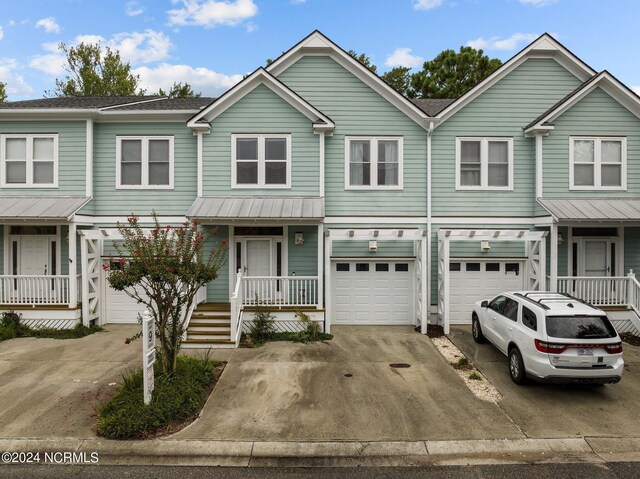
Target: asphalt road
column 621, row 470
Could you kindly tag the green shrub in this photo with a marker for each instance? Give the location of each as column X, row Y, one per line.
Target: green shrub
column 262, row 328
column 475, row 376
column 312, row 328
column 79, row 331
column 462, row 363
column 175, row 399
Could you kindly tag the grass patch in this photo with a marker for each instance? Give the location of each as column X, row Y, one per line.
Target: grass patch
column 176, row 401
column 475, row 376
column 11, row 327
column 462, row 363
column 247, row 341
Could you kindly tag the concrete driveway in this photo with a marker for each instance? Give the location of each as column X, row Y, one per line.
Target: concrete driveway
column 344, row 389
column 51, row 387
column 548, row 411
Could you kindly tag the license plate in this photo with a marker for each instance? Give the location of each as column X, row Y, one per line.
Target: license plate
column 585, row 352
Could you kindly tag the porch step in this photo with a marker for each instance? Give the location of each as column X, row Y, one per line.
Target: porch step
column 207, row 324
column 218, row 317
column 38, row 307
column 208, row 344
column 286, row 309
column 207, row 307
column 614, row 308
column 208, row 332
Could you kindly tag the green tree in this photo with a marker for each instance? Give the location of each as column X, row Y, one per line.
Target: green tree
column 163, row 269
column 451, row 74
column 96, row 71
column 399, row 78
column 364, row 59
column 3, row 92
column 180, row 90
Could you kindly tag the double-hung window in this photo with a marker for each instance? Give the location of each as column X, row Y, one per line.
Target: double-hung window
column 144, row 162
column 261, row 161
column 598, row 163
column 484, row 163
column 373, row 163
column 29, row 161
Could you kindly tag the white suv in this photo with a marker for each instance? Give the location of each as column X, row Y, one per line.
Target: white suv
column 551, row 337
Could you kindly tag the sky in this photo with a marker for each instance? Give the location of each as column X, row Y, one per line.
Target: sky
column 211, row 44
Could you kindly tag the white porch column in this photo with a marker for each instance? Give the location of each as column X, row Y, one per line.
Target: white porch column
column 73, row 266
column 553, row 263
column 320, row 266
column 327, row 268
column 84, row 262
column 425, row 299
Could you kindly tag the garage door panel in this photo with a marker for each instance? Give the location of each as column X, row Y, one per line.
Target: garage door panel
column 373, row 295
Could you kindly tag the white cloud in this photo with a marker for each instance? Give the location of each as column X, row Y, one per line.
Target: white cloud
column 538, row 3
column 134, row 47
column 49, row 25
column 133, row 8
column 426, row 4
column 402, row 57
column 209, row 13
column 209, row 82
column 497, row 43
column 16, row 86
column 298, row 2
column 251, row 27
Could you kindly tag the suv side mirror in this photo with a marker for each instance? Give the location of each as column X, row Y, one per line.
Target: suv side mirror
column 484, row 304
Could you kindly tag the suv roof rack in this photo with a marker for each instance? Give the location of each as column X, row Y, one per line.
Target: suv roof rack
column 540, row 301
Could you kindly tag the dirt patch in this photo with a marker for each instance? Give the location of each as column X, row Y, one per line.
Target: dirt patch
column 474, row 379
column 435, row 331
column 631, row 339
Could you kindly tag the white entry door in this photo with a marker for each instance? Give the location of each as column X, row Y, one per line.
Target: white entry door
column 34, row 255
column 258, row 262
column 595, row 258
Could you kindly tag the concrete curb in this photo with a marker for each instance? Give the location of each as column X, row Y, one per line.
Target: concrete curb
column 338, row 453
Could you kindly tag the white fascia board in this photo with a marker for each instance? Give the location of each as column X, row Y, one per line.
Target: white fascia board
column 544, row 47
column 317, row 43
column 260, row 77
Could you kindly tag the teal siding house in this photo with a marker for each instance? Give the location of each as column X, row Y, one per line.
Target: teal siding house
column 337, row 195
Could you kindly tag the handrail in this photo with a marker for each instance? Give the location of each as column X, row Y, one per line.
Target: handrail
column 34, row 289
column 185, row 321
column 236, row 310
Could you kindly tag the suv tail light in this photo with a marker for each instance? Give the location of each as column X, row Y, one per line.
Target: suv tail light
column 615, row 348
column 557, row 348
column 551, row 348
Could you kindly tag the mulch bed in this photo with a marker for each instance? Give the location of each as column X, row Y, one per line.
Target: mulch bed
column 435, row 330
column 631, row 339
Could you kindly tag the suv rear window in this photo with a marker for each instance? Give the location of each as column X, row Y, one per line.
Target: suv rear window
column 580, row 327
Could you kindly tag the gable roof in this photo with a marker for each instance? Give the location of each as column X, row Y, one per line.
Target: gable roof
column 246, row 86
column 83, row 102
column 545, row 46
column 316, row 42
column 432, row 106
column 605, row 80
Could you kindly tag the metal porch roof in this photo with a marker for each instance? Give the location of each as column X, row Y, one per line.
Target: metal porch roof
column 591, row 209
column 273, row 207
column 40, row 207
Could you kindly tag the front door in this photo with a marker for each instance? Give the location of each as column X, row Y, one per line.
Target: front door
column 596, row 258
column 34, row 255
column 258, row 257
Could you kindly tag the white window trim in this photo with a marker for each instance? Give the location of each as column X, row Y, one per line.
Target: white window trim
column 597, row 163
column 374, row 162
column 145, row 162
column 484, row 162
column 29, row 137
column 261, row 161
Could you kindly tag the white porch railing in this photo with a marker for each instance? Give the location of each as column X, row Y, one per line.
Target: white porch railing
column 34, row 289
column 236, row 310
column 634, row 293
column 280, row 290
column 597, row 290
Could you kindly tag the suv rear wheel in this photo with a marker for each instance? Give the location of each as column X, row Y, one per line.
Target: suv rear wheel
column 476, row 330
column 516, row 367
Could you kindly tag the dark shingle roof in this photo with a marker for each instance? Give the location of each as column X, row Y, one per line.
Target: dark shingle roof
column 562, row 101
column 98, row 102
column 432, row 106
column 169, row 104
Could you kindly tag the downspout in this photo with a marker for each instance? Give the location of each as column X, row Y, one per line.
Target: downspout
column 428, row 258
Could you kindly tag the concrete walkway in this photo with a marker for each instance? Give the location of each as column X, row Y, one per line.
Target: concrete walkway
column 344, row 389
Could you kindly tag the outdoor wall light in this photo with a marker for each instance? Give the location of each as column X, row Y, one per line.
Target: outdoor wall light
column 560, row 239
column 373, row 245
column 485, row 247
column 299, row 238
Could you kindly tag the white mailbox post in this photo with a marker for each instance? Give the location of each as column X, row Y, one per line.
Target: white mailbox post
column 148, row 353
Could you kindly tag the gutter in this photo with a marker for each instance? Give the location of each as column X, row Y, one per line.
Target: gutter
column 429, row 219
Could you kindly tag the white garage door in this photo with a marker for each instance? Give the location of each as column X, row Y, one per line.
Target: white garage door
column 475, row 280
column 120, row 308
column 372, row 292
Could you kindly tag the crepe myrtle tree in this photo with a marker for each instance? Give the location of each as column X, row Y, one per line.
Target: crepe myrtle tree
column 162, row 268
